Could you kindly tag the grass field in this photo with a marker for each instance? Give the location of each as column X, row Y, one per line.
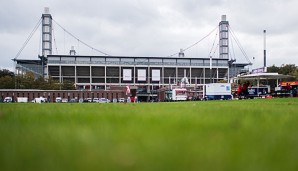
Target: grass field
column 254, row 135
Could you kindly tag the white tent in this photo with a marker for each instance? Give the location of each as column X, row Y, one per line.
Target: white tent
column 263, row 76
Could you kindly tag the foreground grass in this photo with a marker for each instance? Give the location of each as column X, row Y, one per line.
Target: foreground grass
column 214, row 135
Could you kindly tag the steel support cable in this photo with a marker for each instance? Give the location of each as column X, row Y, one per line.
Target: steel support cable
column 195, row 43
column 233, row 50
column 239, row 45
column 242, row 50
column 215, row 50
column 55, row 44
column 212, row 45
column 28, row 39
column 40, row 42
column 80, row 40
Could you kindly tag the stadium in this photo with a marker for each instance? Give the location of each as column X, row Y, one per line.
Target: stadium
column 101, row 76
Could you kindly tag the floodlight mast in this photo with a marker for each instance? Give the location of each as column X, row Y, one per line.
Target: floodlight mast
column 46, row 38
column 264, row 48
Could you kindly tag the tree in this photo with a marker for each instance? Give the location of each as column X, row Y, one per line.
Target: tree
column 273, row 68
column 27, row 81
column 47, row 84
column 6, row 82
column 54, row 84
column 5, row 72
column 287, row 69
column 6, row 79
column 295, row 74
column 67, row 85
column 41, row 83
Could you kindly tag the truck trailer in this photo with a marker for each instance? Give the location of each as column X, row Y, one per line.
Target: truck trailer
column 179, row 94
column 218, row 91
column 22, row 99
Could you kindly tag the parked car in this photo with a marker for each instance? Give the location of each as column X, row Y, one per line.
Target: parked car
column 115, row 100
column 81, row 100
column 58, row 100
column 64, row 100
column 73, row 101
column 96, row 100
column 86, row 100
column 104, row 100
column 7, row 100
column 121, row 100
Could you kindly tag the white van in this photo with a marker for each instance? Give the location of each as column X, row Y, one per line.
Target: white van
column 39, row 100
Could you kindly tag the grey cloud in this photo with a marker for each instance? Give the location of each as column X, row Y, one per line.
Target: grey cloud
column 152, row 27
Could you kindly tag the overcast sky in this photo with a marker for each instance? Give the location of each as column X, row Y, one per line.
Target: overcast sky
column 152, row 28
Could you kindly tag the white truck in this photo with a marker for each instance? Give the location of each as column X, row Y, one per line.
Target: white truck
column 179, row 94
column 22, row 99
column 218, row 91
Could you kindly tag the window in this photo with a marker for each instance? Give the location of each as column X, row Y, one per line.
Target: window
column 169, row 60
column 97, row 59
column 224, row 42
column 112, row 59
column 46, row 45
column 83, row 59
column 224, row 27
column 225, row 50
column 46, row 29
column 224, row 35
column 186, row 61
column 46, row 20
column 155, row 60
column 196, row 61
column 207, row 62
column 141, row 60
column 46, row 37
column 127, row 59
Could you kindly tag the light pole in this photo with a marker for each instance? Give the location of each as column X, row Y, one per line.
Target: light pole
column 210, row 69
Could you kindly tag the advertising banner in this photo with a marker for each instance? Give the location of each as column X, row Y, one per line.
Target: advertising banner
column 141, row 74
column 126, row 74
column 155, row 75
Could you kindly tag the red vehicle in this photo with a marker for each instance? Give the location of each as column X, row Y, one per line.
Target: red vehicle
column 289, row 87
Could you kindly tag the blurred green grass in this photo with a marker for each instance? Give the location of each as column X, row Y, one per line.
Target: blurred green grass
column 211, row 135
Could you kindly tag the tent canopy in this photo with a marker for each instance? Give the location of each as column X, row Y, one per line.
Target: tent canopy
column 263, row 76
